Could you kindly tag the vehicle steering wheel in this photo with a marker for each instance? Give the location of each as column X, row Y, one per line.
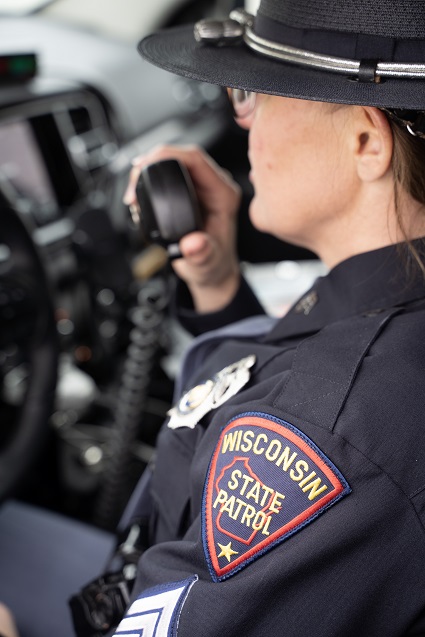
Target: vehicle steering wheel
column 27, row 327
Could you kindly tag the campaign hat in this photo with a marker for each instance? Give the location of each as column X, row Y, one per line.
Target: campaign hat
column 367, row 52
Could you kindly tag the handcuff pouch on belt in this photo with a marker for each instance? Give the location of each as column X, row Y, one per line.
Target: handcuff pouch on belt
column 101, row 604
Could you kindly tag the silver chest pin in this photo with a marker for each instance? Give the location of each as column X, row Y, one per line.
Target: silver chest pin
column 209, row 395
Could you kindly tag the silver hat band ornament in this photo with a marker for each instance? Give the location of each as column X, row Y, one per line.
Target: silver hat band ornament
column 209, row 395
column 239, row 27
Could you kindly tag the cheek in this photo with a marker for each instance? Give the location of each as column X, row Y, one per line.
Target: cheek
column 273, row 180
column 266, row 163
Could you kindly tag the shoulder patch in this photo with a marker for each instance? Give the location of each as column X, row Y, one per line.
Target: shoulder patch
column 157, row 611
column 266, row 481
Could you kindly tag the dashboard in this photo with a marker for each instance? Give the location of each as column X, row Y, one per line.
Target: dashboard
column 52, row 150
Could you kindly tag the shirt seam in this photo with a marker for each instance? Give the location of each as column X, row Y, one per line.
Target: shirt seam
column 382, row 470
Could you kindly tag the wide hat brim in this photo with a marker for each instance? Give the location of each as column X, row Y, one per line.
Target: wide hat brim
column 237, row 66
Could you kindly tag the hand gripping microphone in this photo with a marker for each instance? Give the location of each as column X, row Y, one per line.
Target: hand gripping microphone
column 167, row 207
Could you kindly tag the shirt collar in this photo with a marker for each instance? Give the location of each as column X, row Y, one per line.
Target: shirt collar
column 368, row 282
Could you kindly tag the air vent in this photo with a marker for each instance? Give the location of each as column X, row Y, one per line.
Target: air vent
column 81, row 120
column 91, row 146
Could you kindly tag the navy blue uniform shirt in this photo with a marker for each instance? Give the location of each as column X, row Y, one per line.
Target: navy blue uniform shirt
column 297, row 506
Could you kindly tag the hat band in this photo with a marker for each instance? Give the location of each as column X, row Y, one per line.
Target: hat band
column 356, row 46
column 366, row 69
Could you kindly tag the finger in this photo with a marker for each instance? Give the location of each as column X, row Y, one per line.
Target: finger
column 138, row 163
column 195, row 246
column 7, row 624
column 205, row 173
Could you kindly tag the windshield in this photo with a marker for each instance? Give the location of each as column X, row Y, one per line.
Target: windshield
column 123, row 19
column 21, row 7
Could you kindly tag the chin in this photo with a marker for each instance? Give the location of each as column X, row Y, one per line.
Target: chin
column 257, row 216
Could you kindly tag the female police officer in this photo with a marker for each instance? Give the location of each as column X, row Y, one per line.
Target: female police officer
column 289, row 485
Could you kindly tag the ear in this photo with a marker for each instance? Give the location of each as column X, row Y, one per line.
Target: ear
column 374, row 144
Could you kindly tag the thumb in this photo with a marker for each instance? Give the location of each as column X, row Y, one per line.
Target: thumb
column 195, row 246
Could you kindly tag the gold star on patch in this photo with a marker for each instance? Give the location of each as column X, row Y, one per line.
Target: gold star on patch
column 227, row 551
